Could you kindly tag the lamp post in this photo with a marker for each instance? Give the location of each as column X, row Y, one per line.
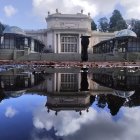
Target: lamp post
column 84, row 43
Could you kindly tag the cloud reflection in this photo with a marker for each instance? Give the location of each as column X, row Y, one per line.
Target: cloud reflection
column 92, row 125
column 10, row 112
column 72, row 120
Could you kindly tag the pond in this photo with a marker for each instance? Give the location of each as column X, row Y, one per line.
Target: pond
column 40, row 103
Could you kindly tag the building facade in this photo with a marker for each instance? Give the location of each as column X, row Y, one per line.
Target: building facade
column 15, row 43
column 125, row 45
column 61, row 36
column 64, row 31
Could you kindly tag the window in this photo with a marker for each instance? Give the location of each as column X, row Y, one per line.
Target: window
column 69, row 43
column 69, row 82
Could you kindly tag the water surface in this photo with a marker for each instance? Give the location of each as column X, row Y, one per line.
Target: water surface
column 70, row 104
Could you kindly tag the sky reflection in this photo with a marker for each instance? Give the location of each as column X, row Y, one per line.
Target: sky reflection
column 55, row 108
column 92, row 125
column 30, row 120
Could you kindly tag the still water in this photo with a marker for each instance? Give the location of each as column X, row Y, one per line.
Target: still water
column 70, row 104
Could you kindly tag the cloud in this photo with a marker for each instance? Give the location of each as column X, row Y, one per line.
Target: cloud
column 91, row 125
column 41, row 7
column 9, row 10
column 10, row 112
column 72, row 120
column 132, row 8
column 38, row 123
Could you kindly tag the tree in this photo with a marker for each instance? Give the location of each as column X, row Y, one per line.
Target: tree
column 117, row 22
column 103, row 24
column 121, row 24
column 93, row 25
column 1, row 28
column 135, row 26
column 131, row 23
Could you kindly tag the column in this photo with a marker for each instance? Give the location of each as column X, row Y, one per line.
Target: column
column 58, row 82
column 55, row 49
column 59, row 43
column 79, row 44
column 56, row 43
column 79, row 80
column 55, row 83
column 32, row 45
column 32, row 79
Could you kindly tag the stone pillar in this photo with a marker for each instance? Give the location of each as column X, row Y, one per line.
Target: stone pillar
column 26, row 51
column 55, row 43
column 58, row 82
column 79, row 43
column 32, row 45
column 59, row 43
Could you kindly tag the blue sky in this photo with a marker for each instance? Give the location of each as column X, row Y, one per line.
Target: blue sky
column 30, row 14
column 23, row 16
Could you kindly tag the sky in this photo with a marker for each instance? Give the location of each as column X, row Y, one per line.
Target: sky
column 34, row 122
column 30, row 14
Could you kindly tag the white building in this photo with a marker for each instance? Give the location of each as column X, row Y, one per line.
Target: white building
column 64, row 31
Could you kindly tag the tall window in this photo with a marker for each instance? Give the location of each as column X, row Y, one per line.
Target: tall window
column 69, row 43
column 69, row 82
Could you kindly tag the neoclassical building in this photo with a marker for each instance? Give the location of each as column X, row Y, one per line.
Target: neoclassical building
column 62, row 36
column 64, row 31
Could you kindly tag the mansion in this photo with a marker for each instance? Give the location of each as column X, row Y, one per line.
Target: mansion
column 61, row 41
column 64, row 31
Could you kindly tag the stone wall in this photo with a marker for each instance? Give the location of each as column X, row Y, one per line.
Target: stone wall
column 70, row 57
column 6, row 54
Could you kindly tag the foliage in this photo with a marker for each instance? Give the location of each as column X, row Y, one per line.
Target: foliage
column 93, row 25
column 103, row 24
column 2, row 27
column 117, row 22
column 136, row 27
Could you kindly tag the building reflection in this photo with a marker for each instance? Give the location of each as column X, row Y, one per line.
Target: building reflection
column 70, row 101
column 71, row 95
column 84, row 80
column 125, row 83
column 16, row 81
column 75, row 91
column 120, row 78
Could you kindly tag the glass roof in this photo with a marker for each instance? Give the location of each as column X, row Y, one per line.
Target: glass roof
column 124, row 94
column 125, row 32
column 14, row 30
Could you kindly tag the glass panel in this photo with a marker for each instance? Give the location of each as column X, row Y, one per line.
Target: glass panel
column 70, row 43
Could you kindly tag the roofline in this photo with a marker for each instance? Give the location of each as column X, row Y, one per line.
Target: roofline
column 26, row 36
column 68, row 16
column 114, row 38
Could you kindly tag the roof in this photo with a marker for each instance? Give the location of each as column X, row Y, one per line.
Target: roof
column 125, row 32
column 18, row 31
column 116, row 38
column 69, row 16
column 13, row 30
column 124, row 94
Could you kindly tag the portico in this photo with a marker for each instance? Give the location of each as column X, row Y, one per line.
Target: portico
column 64, row 31
column 66, row 42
